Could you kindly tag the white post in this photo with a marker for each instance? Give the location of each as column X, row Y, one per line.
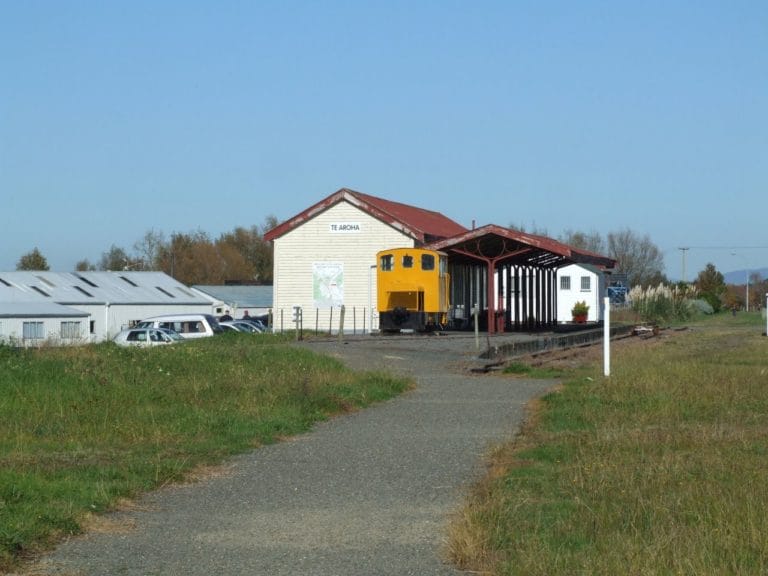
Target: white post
column 606, row 336
column 476, row 314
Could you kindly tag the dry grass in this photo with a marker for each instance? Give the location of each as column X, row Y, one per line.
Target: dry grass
column 657, row 470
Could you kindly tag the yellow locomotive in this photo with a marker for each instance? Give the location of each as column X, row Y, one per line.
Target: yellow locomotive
column 412, row 289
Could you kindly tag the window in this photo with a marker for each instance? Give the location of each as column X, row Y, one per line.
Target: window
column 33, row 331
column 84, row 279
column 70, row 330
column 45, row 280
column 427, row 262
column 40, row 290
column 131, row 282
column 83, row 291
column 137, row 336
column 585, row 283
column 164, row 291
column 565, row 282
column 407, row 261
column 386, row 262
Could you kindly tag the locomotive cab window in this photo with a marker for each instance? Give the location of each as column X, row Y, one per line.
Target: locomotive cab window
column 386, row 262
column 407, row 261
column 427, row 262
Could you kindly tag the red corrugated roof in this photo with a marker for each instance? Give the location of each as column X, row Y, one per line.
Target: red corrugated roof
column 422, row 225
column 493, row 242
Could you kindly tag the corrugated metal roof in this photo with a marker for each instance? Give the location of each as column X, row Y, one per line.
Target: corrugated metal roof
column 38, row 310
column 239, row 296
column 495, row 242
column 420, row 224
column 95, row 288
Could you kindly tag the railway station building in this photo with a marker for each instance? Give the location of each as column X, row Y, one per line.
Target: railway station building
column 324, row 276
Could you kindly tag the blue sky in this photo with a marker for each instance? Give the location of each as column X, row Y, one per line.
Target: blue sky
column 121, row 117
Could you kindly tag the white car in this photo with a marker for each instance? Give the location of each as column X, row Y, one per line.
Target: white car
column 146, row 337
column 187, row 325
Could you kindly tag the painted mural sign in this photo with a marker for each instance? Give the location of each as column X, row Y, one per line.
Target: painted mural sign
column 328, row 284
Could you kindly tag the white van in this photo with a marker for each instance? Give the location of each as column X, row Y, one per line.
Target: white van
column 187, row 325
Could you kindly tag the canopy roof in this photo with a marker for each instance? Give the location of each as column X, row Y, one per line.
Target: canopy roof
column 499, row 244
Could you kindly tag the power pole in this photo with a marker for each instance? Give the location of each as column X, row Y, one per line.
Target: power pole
column 684, row 250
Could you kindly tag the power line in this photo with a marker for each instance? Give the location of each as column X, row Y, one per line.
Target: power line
column 725, row 248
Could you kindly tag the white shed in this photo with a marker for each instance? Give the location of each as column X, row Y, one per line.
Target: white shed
column 237, row 299
column 325, row 257
column 580, row 282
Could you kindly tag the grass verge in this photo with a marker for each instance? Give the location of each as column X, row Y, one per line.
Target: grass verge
column 82, row 428
column 659, row 469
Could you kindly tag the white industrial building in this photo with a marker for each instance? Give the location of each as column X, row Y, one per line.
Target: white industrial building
column 325, row 257
column 103, row 302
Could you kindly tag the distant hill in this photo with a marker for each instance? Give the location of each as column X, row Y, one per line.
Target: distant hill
column 740, row 276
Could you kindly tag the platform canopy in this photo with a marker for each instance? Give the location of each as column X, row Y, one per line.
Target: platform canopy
column 499, row 248
column 499, row 244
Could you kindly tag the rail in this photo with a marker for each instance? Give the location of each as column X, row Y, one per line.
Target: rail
column 554, row 342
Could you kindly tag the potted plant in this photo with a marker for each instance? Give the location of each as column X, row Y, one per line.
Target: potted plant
column 580, row 311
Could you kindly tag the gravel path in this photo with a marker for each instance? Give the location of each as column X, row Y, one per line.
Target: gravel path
column 364, row 494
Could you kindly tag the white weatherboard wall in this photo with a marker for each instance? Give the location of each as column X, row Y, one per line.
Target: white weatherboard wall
column 567, row 297
column 49, row 332
column 342, row 238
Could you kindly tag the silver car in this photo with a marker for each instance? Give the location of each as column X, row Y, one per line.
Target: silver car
column 146, row 337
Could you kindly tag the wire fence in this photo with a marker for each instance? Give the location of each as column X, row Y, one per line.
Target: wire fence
column 341, row 320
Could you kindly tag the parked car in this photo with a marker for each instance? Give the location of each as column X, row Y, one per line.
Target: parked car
column 240, row 326
column 260, row 326
column 146, row 337
column 187, row 325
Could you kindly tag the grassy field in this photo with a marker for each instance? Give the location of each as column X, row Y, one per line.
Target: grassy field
column 659, row 469
column 82, row 428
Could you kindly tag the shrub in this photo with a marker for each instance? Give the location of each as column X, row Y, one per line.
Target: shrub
column 662, row 303
column 580, row 308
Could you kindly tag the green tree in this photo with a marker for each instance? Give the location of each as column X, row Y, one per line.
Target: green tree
column 711, row 286
column 33, row 260
column 84, row 265
column 115, row 258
